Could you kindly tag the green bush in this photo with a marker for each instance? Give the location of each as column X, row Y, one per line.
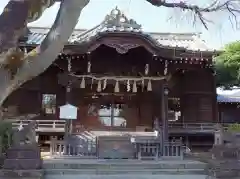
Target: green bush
column 6, row 132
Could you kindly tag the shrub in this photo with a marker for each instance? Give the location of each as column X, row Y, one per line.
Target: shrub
column 6, row 132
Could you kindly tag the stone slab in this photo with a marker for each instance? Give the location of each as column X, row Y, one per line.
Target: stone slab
column 21, row 174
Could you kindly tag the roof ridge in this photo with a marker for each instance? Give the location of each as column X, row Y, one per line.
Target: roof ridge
column 150, row 32
column 116, row 21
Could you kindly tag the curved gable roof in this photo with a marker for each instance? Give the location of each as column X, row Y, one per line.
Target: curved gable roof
column 117, row 22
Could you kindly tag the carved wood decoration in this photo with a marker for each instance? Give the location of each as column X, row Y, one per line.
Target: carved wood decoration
column 123, row 48
column 92, row 110
column 123, row 43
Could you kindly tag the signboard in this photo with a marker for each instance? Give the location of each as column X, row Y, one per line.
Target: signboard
column 68, row 111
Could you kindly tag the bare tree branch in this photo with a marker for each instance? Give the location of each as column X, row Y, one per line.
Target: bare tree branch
column 231, row 6
column 42, row 57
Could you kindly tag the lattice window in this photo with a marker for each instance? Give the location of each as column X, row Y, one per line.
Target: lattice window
column 111, row 116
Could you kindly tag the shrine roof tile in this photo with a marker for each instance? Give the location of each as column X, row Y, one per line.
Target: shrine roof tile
column 116, row 21
column 228, row 96
column 228, row 99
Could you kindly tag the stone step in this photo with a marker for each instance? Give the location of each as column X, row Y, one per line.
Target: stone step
column 126, row 166
column 121, row 167
column 66, row 172
column 121, row 164
column 129, row 176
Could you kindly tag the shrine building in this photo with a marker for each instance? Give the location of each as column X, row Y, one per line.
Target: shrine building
column 121, row 78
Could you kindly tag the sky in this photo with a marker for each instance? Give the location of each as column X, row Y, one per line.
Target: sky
column 152, row 19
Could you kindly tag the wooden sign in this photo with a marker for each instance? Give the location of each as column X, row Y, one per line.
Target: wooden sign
column 68, row 111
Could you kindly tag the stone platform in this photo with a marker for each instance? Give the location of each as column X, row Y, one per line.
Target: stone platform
column 65, row 167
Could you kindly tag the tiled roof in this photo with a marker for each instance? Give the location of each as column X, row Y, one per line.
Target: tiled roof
column 228, row 99
column 116, row 21
column 228, row 96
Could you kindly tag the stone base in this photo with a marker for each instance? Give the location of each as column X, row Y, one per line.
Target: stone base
column 22, row 164
column 21, row 174
column 26, row 157
column 24, row 152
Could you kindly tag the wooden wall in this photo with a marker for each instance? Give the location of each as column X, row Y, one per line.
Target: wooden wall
column 198, row 97
column 196, row 88
column 229, row 113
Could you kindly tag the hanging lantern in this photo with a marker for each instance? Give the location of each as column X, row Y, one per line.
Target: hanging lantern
column 128, row 86
column 146, row 69
column 134, row 90
column 99, row 88
column 89, row 67
column 82, row 85
column 104, row 84
column 166, row 67
column 92, row 83
column 68, row 89
column 116, row 89
column 149, row 86
column 142, row 84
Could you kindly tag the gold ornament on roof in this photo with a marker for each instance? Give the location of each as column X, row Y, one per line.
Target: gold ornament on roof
column 116, row 18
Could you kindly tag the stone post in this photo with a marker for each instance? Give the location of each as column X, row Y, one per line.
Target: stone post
column 218, row 135
column 53, row 140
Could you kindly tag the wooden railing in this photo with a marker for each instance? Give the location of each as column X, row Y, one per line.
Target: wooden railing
column 42, row 125
column 193, row 127
column 58, row 126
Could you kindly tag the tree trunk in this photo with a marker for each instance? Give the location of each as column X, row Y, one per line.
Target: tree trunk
column 14, row 19
column 43, row 56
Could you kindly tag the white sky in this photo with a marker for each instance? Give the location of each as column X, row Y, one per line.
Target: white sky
column 152, row 19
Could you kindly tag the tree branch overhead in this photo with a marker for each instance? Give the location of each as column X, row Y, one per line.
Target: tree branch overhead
column 42, row 57
column 231, row 6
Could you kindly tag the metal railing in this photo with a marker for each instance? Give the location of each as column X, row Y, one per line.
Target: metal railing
column 88, row 148
column 173, row 150
column 155, row 149
column 82, row 148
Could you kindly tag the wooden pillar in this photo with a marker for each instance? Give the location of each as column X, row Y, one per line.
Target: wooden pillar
column 164, row 111
column 215, row 103
column 68, row 124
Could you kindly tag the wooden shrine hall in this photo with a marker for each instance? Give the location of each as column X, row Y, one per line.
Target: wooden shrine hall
column 122, row 79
